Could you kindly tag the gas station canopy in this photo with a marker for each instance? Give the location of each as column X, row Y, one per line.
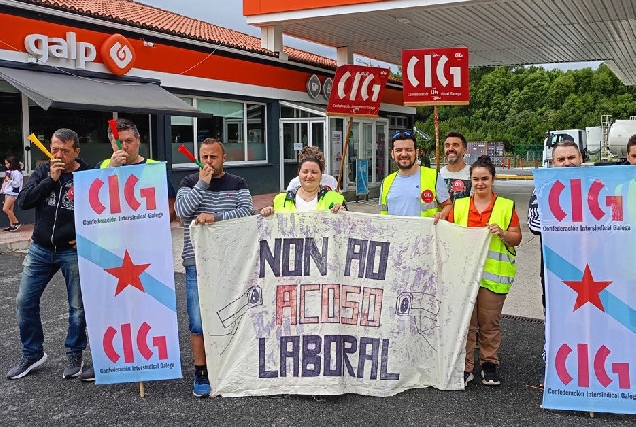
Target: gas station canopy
column 497, row 32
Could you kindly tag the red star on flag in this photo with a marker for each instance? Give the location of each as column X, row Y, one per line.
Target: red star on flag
column 128, row 274
column 587, row 290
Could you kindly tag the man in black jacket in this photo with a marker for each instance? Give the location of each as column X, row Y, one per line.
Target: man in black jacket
column 50, row 191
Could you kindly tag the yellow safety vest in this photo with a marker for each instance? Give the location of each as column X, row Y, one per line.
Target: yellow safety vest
column 500, row 267
column 285, row 202
column 428, row 181
column 106, row 162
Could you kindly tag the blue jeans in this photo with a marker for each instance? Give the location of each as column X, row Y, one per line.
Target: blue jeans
column 39, row 266
column 192, row 293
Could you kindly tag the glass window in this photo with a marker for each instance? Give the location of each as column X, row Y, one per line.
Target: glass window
column 225, row 123
column 182, row 133
column 295, row 137
column 366, row 148
column 256, row 146
column 11, row 124
column 287, row 112
column 352, row 152
column 91, row 127
column 380, row 152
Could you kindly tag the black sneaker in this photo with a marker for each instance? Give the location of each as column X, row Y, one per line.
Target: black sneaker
column 88, row 374
column 468, row 377
column 489, row 374
column 9, row 228
column 201, row 386
column 12, row 228
column 74, row 365
column 16, row 226
column 26, row 365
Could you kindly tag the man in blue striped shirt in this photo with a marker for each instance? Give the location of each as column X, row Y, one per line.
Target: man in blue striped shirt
column 208, row 196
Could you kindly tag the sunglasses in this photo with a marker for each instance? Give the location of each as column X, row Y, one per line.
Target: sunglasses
column 404, row 134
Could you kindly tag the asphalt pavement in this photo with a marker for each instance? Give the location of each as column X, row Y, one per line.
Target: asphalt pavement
column 43, row 397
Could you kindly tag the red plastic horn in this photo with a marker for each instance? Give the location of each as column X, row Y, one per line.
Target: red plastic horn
column 183, row 150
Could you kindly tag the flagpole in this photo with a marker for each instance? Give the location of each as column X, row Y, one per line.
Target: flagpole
column 142, row 391
column 436, row 137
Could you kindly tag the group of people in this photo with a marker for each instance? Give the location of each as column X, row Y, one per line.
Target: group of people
column 460, row 193
column 416, row 190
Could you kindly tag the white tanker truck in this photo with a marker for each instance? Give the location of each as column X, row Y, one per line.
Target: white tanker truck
column 611, row 144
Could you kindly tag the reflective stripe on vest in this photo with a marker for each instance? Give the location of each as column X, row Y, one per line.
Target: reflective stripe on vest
column 105, row 163
column 282, row 204
column 498, row 256
column 428, row 181
column 499, row 268
column 499, row 279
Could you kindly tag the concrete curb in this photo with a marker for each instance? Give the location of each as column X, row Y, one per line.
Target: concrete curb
column 515, row 177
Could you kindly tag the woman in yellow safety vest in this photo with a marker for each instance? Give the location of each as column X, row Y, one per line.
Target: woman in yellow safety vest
column 310, row 195
column 485, row 209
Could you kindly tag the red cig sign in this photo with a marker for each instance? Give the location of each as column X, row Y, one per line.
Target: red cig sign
column 436, row 76
column 357, row 91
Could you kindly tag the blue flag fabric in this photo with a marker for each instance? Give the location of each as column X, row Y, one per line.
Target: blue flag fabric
column 588, row 224
column 126, row 268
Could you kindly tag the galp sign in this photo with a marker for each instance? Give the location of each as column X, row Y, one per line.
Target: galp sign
column 117, row 53
column 357, row 91
column 435, row 76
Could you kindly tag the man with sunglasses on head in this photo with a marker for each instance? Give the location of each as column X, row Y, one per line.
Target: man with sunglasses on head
column 50, row 191
column 456, row 173
column 413, row 190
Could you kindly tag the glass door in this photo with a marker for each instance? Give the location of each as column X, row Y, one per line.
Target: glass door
column 294, row 136
column 381, row 152
column 367, row 148
column 352, row 155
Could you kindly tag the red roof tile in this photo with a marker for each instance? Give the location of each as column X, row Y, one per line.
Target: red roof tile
column 148, row 17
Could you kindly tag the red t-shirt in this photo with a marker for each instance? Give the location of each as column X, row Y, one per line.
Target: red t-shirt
column 477, row 219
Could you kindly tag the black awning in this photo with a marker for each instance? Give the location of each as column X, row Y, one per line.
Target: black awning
column 87, row 93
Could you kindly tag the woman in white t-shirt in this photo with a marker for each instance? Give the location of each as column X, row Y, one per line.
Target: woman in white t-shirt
column 311, row 195
column 11, row 187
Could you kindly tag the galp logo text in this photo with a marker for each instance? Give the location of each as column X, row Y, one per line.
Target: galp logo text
column 116, row 52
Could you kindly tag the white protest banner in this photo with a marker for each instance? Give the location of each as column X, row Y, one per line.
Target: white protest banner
column 322, row 303
column 124, row 249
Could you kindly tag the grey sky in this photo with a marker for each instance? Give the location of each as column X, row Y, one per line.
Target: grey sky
column 229, row 14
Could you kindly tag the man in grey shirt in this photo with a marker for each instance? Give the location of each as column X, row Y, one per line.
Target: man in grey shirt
column 456, row 173
column 206, row 197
